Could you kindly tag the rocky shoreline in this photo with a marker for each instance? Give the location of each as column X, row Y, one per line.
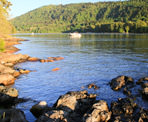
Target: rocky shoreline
column 74, row 106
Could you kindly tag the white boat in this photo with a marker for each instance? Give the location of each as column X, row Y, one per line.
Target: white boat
column 32, row 33
column 75, row 35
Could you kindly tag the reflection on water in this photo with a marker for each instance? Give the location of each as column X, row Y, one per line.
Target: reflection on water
column 93, row 58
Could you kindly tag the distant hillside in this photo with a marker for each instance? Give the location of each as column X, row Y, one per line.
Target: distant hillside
column 127, row 16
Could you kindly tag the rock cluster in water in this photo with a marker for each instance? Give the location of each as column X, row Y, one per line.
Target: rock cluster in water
column 79, row 106
column 8, row 75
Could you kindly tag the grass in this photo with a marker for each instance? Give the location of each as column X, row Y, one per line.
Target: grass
column 2, row 45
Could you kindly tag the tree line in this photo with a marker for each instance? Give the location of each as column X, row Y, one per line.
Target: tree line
column 119, row 16
column 5, row 26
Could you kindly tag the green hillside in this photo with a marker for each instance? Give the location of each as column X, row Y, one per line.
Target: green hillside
column 126, row 16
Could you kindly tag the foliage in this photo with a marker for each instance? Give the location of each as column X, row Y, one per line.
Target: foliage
column 2, row 45
column 120, row 16
column 5, row 26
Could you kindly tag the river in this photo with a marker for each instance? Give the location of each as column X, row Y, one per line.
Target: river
column 94, row 58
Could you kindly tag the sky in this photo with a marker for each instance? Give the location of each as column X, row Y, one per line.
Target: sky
column 20, row 7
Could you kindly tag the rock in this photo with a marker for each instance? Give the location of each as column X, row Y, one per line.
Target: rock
column 92, row 85
column 7, row 95
column 33, row 59
column 120, row 81
column 58, row 58
column 78, row 101
column 9, row 64
column 6, row 70
column 13, row 58
column 54, row 116
column 67, row 101
column 55, row 69
column 98, row 113
column 39, row 109
column 123, row 110
column 145, row 93
column 7, row 79
column 16, row 74
column 69, row 107
column 42, row 60
column 144, row 85
column 50, row 60
column 23, row 71
column 127, row 91
column 12, row 115
column 141, row 80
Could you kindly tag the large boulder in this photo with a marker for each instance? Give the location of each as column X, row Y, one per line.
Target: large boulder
column 98, row 113
column 7, row 79
column 7, row 95
column 13, row 58
column 6, row 70
column 120, row 81
column 78, row 101
column 69, row 107
column 12, row 115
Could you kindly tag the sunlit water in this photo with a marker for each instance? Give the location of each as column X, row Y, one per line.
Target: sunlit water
column 94, row 58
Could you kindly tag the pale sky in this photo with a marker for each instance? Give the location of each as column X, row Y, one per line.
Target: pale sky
column 20, row 7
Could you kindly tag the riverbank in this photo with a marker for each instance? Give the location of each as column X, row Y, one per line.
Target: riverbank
column 8, row 75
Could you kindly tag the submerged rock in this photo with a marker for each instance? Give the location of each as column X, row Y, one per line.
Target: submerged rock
column 33, row 59
column 55, row 69
column 51, row 59
column 120, row 81
column 24, row 71
column 92, row 85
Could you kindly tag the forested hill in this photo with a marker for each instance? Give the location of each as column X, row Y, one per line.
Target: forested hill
column 125, row 16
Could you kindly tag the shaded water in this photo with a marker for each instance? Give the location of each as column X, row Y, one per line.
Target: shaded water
column 94, row 58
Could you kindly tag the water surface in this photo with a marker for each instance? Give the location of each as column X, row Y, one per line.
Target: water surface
column 94, row 58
